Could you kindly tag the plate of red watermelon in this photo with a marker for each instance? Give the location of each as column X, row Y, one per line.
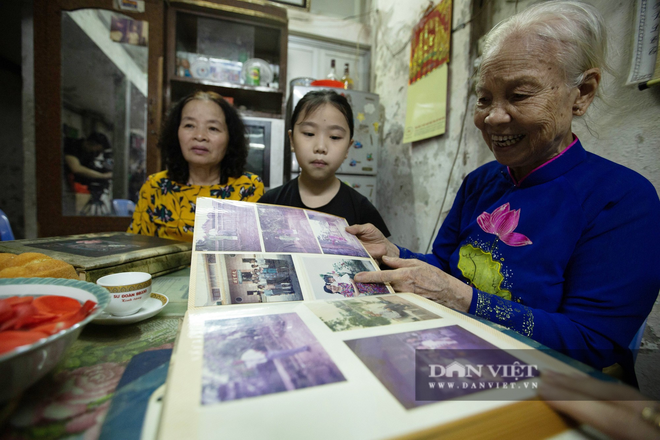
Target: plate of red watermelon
column 39, row 319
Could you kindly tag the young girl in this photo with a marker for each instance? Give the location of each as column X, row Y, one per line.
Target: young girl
column 321, row 134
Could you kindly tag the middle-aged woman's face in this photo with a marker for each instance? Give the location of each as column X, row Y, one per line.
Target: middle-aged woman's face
column 524, row 108
column 203, row 135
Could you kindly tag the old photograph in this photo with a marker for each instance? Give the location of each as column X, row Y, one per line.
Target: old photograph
column 332, row 236
column 391, row 358
column 369, row 311
column 332, row 277
column 260, row 355
column 286, row 230
column 251, row 278
column 229, row 227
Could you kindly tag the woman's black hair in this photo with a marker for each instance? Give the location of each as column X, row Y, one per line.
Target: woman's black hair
column 232, row 165
column 326, row 278
column 313, row 100
column 327, row 289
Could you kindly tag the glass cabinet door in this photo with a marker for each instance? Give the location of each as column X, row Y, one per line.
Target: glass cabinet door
column 98, row 82
column 105, row 76
column 239, row 56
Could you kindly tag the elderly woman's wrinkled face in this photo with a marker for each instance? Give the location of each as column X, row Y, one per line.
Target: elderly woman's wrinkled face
column 524, row 108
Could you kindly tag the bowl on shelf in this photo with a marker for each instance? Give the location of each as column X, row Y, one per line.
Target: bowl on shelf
column 302, row 81
column 24, row 365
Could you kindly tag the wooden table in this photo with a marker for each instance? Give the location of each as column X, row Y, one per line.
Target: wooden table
column 101, row 387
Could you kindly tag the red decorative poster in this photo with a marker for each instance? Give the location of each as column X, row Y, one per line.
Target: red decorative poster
column 426, row 107
column 430, row 42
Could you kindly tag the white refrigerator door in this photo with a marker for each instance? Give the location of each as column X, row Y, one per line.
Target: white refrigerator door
column 365, row 185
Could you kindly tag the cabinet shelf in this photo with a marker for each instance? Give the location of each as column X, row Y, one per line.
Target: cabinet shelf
column 262, row 100
column 225, row 85
column 218, row 32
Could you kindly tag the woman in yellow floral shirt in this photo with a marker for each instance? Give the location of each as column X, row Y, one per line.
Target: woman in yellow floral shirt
column 204, row 149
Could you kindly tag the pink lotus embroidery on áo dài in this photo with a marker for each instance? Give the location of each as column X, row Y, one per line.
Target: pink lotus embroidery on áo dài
column 502, row 222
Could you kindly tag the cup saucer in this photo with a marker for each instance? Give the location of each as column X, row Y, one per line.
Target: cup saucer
column 151, row 306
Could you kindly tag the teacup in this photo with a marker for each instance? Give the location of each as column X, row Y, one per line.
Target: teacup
column 128, row 291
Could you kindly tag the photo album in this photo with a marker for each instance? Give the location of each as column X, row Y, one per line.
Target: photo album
column 279, row 341
column 104, row 253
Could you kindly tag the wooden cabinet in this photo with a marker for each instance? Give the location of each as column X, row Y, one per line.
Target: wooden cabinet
column 213, row 45
column 105, row 72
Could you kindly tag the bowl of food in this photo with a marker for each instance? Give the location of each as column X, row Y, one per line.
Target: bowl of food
column 39, row 319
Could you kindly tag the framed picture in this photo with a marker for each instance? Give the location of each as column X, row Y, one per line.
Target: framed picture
column 304, row 4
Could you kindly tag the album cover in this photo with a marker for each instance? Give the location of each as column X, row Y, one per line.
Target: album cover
column 99, row 254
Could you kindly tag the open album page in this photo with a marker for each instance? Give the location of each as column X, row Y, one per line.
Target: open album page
column 338, row 369
column 247, row 253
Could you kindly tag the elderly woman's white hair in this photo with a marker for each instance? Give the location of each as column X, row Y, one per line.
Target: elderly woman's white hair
column 577, row 29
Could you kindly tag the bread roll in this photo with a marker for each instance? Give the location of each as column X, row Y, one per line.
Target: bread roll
column 33, row 264
column 24, row 259
column 4, row 258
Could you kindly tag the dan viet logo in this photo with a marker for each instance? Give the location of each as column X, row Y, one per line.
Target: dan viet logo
column 447, row 374
column 456, row 369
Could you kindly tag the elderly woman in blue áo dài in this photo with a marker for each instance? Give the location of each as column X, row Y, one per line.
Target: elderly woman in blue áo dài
column 204, row 148
column 550, row 240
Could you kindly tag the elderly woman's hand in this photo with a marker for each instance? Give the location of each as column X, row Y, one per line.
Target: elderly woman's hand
column 374, row 241
column 423, row 279
column 612, row 408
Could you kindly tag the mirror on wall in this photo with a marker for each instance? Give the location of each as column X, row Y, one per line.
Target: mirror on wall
column 104, row 111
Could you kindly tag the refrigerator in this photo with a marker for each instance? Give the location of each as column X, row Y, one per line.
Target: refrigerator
column 360, row 168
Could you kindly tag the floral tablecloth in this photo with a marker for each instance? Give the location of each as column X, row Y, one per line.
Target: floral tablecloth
column 73, row 401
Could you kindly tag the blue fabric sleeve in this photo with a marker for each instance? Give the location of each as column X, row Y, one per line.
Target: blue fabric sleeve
column 611, row 282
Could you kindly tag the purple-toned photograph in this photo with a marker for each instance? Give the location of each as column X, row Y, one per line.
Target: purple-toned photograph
column 260, row 355
column 261, row 278
column 332, row 277
column 286, row 230
column 332, row 236
column 391, row 358
column 229, row 227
